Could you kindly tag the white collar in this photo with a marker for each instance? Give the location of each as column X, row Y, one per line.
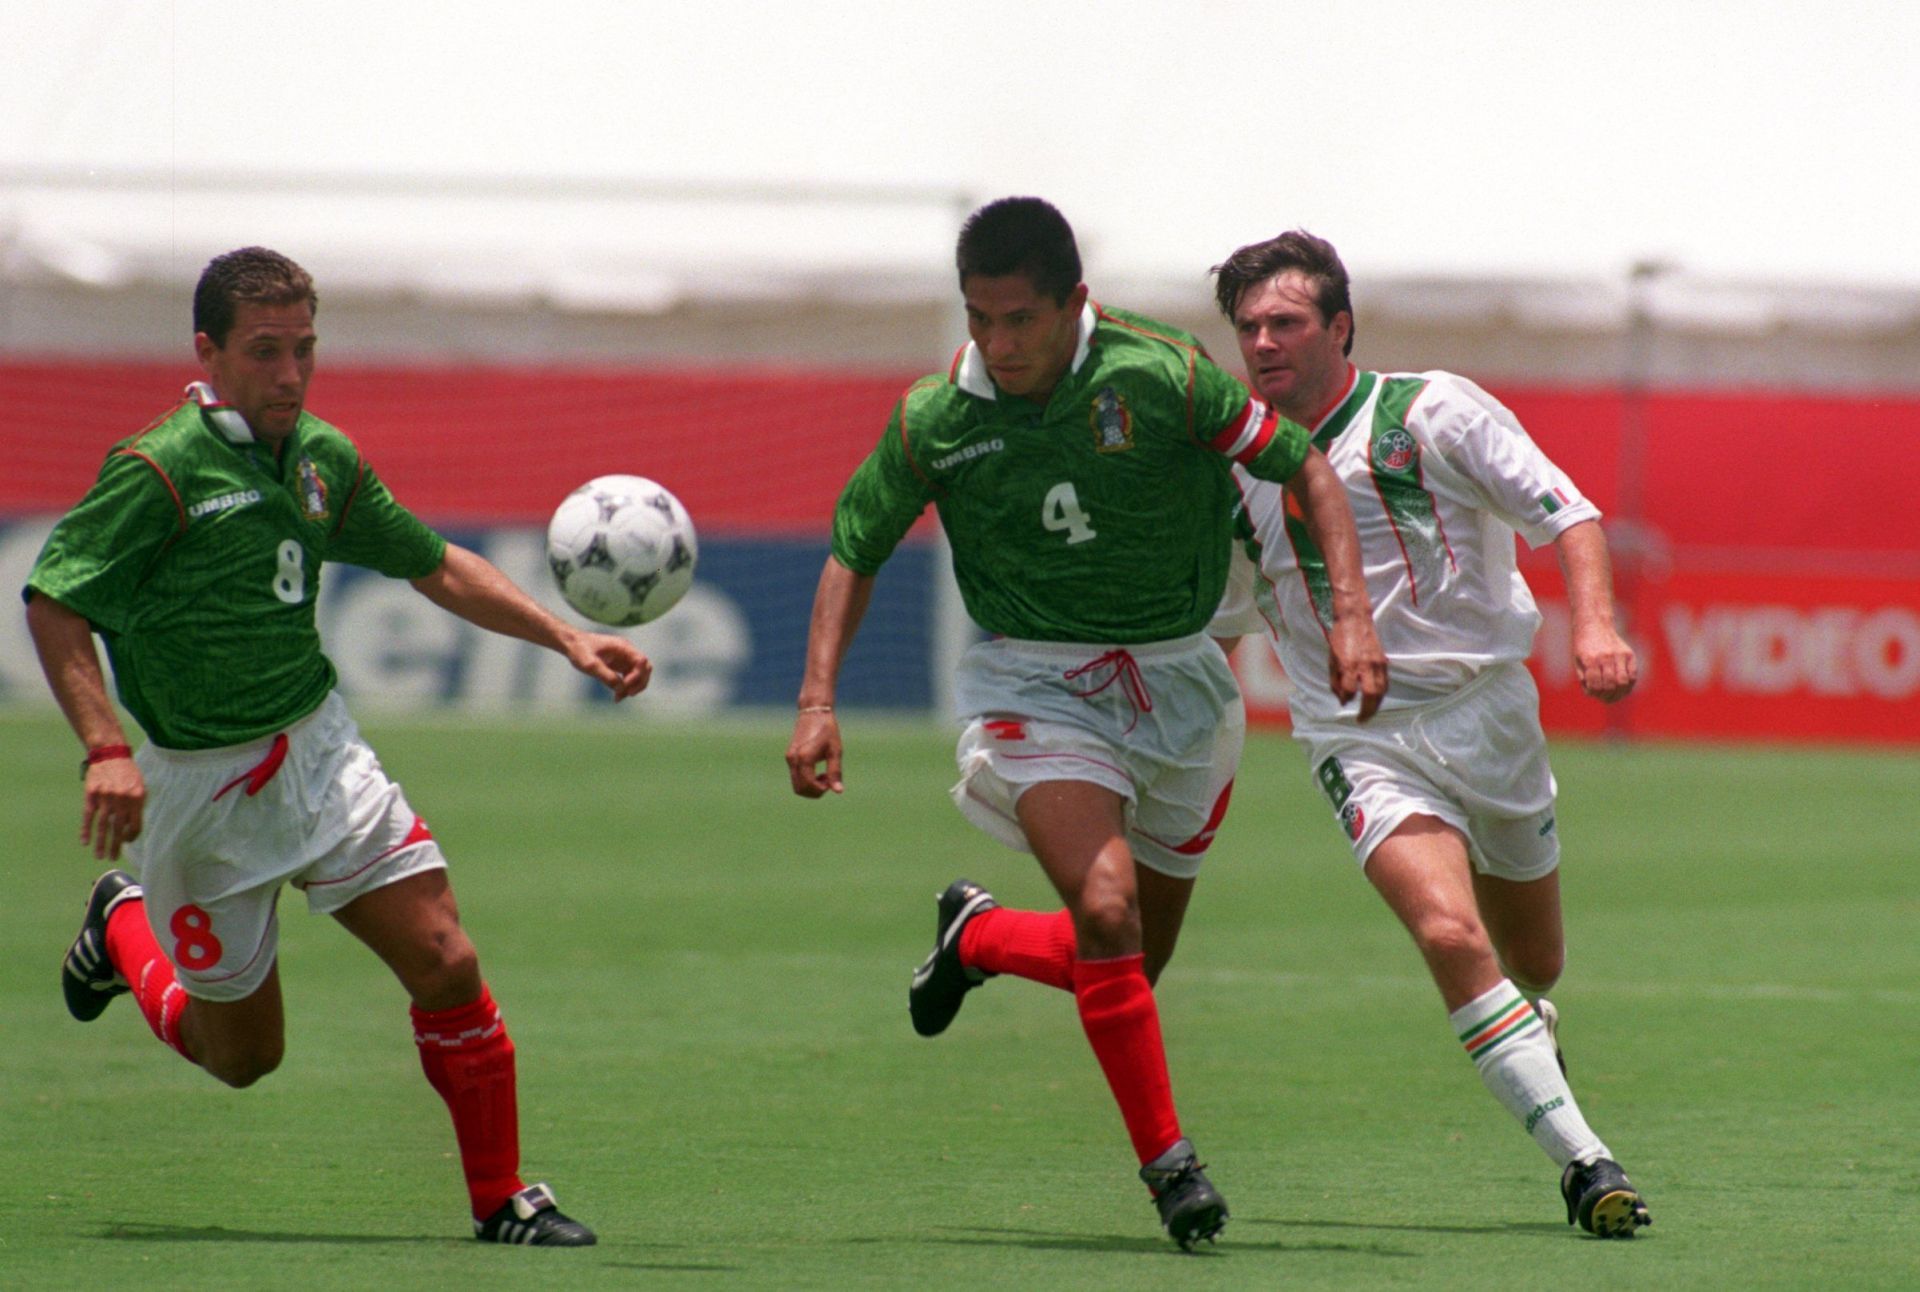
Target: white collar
column 223, row 415
column 970, row 370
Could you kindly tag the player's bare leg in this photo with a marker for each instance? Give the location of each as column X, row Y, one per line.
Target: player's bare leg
column 238, row 1041
column 414, row 926
column 1523, row 920
column 1423, row 872
column 1077, row 831
column 975, row 938
column 1163, row 910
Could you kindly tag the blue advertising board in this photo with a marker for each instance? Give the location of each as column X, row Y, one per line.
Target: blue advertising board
column 738, row 639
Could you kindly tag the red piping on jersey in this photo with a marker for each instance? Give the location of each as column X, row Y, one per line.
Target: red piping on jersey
column 1333, row 405
column 359, row 474
column 1174, row 341
column 1438, row 519
column 906, row 444
column 1419, row 478
column 1190, row 349
column 164, row 479
column 256, row 777
column 1413, row 584
column 1193, row 369
column 159, row 421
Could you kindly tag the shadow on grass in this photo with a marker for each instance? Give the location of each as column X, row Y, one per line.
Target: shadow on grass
column 1530, row 1228
column 143, row 1232
column 1043, row 1240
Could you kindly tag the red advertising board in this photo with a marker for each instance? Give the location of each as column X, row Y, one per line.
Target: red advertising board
column 1769, row 558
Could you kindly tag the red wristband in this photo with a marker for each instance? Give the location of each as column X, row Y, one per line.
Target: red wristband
column 104, row 754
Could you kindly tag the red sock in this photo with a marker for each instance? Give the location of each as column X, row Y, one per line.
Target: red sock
column 1026, row 944
column 1123, row 1024
column 468, row 1059
column 138, row 957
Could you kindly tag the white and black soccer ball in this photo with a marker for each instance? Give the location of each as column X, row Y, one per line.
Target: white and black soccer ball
column 622, row 549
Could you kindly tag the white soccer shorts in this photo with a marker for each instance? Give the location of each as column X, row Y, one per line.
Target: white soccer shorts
column 1476, row 760
column 225, row 828
column 1161, row 725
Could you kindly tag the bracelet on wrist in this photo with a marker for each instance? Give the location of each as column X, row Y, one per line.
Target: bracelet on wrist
column 103, row 754
column 816, row 708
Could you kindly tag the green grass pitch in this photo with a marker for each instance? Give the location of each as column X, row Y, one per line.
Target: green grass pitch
column 706, row 979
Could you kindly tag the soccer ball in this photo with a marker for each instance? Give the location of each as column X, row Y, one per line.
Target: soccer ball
column 622, row 550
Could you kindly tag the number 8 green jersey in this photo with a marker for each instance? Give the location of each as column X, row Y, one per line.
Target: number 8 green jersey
column 1104, row 515
column 197, row 560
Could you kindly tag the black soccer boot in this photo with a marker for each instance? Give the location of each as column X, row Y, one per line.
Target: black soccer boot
column 1601, row 1200
column 87, row 976
column 531, row 1218
column 941, row 982
column 1190, row 1207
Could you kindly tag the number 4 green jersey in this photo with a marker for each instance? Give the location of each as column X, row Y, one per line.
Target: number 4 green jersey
column 1104, row 515
column 197, row 560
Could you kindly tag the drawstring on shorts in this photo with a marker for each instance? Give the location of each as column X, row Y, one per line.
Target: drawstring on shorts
column 1126, row 671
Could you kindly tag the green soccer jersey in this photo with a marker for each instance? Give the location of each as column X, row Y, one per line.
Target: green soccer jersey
column 197, row 560
column 1104, row 515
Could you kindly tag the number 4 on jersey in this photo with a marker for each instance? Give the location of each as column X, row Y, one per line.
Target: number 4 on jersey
column 1061, row 513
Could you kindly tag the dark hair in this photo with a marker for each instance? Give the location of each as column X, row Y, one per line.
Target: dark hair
column 1297, row 249
column 1020, row 235
column 249, row 274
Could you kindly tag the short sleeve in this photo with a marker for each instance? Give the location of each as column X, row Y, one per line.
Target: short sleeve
column 1480, row 438
column 101, row 552
column 1230, row 421
column 882, row 499
column 376, row 532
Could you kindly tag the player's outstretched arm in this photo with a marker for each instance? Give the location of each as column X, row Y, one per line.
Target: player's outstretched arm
column 479, row 592
column 1359, row 665
column 114, row 792
column 813, row 755
column 1602, row 660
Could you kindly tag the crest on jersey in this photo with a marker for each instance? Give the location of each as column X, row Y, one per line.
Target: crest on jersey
column 313, row 490
column 1354, row 820
column 1395, row 451
column 1112, row 421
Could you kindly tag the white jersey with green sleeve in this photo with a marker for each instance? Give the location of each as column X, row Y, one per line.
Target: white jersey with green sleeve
column 1441, row 476
column 1102, row 515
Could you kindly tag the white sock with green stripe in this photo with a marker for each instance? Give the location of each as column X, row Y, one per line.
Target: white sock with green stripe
column 1509, row 1045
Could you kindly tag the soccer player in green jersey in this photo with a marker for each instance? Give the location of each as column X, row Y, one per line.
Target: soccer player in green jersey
column 1079, row 459
column 196, row 556
column 1446, row 796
